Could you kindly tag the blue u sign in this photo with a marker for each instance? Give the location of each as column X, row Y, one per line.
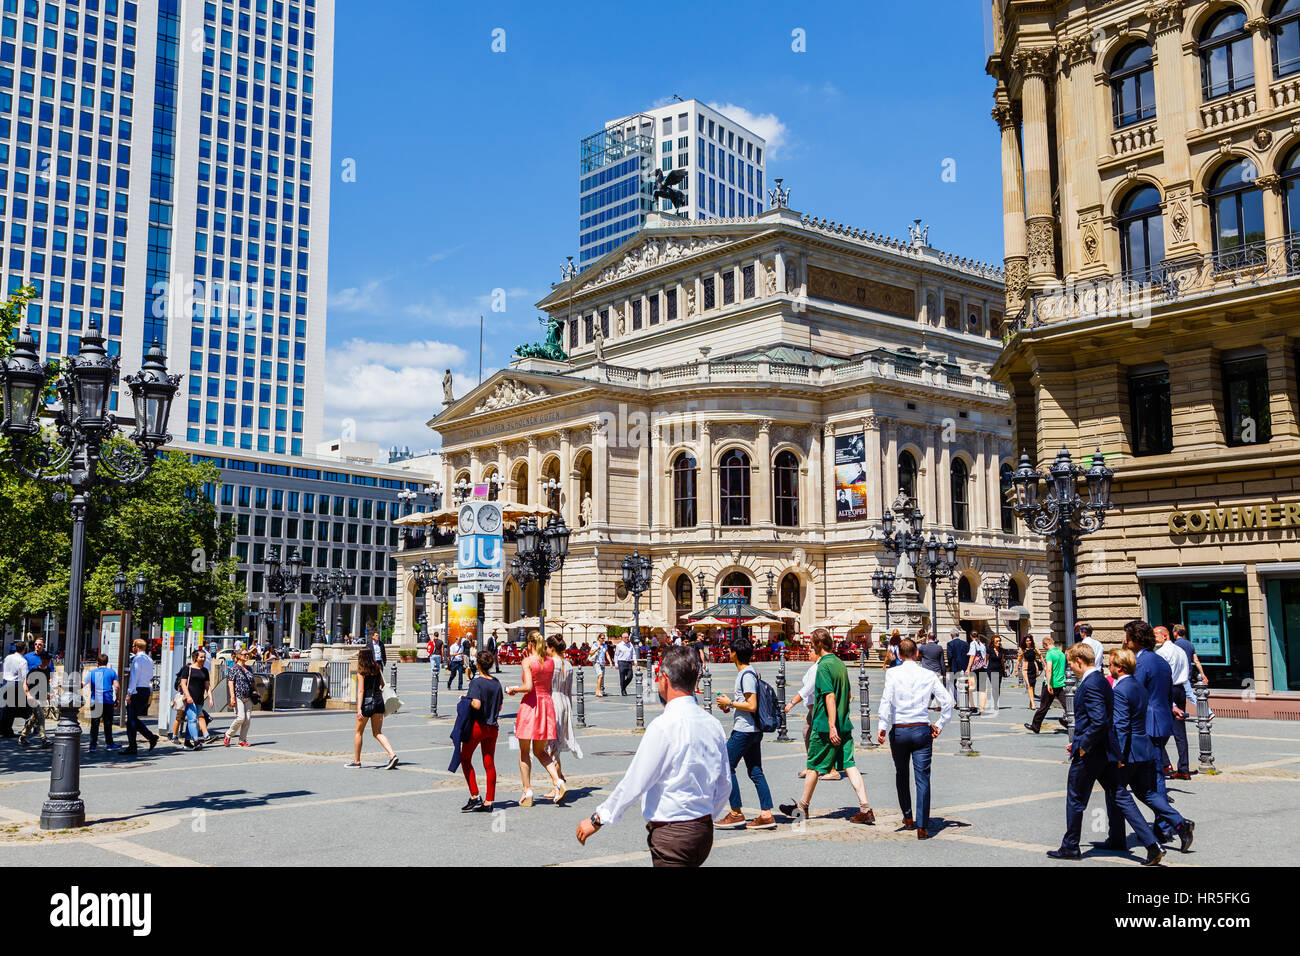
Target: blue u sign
column 478, row 551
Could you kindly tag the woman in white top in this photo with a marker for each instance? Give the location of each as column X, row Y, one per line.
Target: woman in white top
column 562, row 693
column 977, row 663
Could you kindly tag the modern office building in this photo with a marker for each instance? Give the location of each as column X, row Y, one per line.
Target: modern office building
column 766, row 388
column 338, row 515
column 724, row 162
column 156, row 178
column 1151, row 159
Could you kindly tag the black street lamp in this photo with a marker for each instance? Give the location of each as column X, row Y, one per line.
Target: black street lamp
column 539, row 553
column 771, row 585
column 1063, row 515
column 80, row 458
column 882, row 586
column 426, row 577
column 997, row 593
column 636, row 578
column 129, row 595
column 320, row 590
column 340, row 583
column 282, row 577
column 704, row 592
column 930, row 558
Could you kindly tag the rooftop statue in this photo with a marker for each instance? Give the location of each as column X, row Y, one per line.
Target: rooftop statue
column 551, row 349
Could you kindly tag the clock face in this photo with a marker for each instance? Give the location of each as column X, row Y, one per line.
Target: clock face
column 490, row 519
column 467, row 519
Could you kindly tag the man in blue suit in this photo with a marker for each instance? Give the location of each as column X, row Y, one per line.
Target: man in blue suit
column 1088, row 754
column 1152, row 672
column 1131, row 754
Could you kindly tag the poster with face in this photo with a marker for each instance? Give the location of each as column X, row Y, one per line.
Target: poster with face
column 850, row 478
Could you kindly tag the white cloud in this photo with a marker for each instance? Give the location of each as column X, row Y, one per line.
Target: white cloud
column 390, row 389
column 357, row 298
column 766, row 125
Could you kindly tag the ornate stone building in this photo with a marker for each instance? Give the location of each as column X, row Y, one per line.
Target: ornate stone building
column 740, row 400
column 1153, row 297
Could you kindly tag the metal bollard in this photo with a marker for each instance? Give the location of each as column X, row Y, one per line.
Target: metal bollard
column 1203, row 721
column 394, row 680
column 708, row 691
column 963, row 709
column 640, row 697
column 582, row 700
column 864, row 705
column 1071, row 687
column 868, row 738
column 782, row 736
column 433, row 691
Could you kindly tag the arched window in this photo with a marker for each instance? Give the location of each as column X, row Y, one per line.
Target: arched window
column 684, row 474
column 1141, row 234
column 683, row 596
column 1227, row 61
column 582, row 465
column 964, row 589
column 737, row 581
column 733, row 488
column 1008, row 506
column 785, row 489
column 1284, row 26
column 1132, row 86
column 1236, row 207
column 521, row 484
column 792, row 599
column 960, row 494
column 1013, row 593
column 1290, row 173
column 550, row 483
column 907, row 474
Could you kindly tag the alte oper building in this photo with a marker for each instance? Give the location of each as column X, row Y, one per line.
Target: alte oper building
column 1154, row 308
column 741, row 400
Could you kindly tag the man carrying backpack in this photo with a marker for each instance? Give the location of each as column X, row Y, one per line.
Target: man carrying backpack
column 830, row 745
column 746, row 741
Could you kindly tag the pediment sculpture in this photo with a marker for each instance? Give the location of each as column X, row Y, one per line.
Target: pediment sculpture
column 654, row 252
column 509, row 392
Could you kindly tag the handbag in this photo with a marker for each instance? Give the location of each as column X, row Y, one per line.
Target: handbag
column 392, row 703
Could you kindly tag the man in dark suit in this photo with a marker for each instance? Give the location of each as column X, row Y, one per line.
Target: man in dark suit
column 1134, row 758
column 1156, row 678
column 377, row 648
column 1088, row 753
column 958, row 654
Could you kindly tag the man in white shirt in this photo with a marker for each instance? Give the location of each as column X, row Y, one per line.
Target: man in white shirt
column 1083, row 632
column 13, row 690
column 680, row 772
column 905, row 718
column 1181, row 669
column 139, row 688
column 624, row 655
column 456, row 664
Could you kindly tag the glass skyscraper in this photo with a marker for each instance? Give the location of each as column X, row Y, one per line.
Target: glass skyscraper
column 156, row 179
column 723, row 161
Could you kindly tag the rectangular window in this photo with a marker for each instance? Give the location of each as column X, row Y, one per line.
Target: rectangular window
column 709, row 297
column 636, row 314
column 747, row 281
column 670, row 304
column 728, row 287
column 1245, row 401
column 1152, row 414
column 654, row 308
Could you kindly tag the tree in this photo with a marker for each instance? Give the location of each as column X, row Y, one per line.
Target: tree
column 307, row 622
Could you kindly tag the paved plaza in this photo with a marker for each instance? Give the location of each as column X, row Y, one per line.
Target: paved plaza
column 288, row 800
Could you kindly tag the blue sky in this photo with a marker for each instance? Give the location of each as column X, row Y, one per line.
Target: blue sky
column 455, row 167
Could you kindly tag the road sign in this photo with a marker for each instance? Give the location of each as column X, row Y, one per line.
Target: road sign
column 480, row 560
column 184, row 608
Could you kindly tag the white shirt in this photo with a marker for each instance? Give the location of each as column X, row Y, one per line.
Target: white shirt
column 1097, row 651
column 15, row 667
column 623, row 652
column 1177, row 661
column 809, row 687
column 908, row 689
column 140, row 676
column 680, row 771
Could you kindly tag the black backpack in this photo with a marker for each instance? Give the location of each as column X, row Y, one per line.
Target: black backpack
column 767, row 717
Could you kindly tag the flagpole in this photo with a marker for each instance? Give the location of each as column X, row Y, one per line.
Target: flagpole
column 480, row 350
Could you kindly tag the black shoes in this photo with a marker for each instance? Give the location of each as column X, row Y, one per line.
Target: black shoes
column 1064, row 854
column 1031, row 728
column 1118, row 845
column 474, row 804
column 482, row 808
column 153, row 742
column 1155, row 853
column 1185, row 835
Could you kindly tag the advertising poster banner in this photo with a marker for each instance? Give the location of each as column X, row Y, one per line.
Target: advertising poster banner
column 850, row 478
column 462, row 615
column 1205, row 630
column 173, row 647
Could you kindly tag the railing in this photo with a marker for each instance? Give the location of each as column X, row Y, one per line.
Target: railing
column 1227, row 110
column 341, row 687
column 1135, row 294
column 1132, row 138
column 1285, row 92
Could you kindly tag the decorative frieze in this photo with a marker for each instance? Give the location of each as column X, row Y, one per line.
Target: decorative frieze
column 654, row 253
column 861, row 292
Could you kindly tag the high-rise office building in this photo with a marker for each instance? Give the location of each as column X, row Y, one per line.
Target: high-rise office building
column 156, row 162
column 723, row 160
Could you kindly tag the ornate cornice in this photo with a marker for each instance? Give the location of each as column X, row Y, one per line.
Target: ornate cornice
column 509, row 392
column 655, row 252
column 1165, row 15
column 1078, row 49
column 1033, row 60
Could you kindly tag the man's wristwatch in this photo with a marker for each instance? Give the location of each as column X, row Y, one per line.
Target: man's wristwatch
column 595, row 820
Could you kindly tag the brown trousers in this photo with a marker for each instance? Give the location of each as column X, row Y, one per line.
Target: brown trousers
column 684, row 843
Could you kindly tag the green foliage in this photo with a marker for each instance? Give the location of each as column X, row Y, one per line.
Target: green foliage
column 12, row 314
column 307, row 621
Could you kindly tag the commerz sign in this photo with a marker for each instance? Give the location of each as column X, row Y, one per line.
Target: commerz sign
column 1239, row 518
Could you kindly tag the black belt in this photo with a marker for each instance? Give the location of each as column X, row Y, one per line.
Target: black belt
column 922, row 724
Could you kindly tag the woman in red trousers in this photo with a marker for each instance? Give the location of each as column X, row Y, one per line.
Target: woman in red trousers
column 485, row 698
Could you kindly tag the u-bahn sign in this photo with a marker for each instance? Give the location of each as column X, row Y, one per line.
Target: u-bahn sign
column 479, row 552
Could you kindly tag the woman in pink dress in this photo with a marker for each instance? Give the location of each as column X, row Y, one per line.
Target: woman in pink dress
column 535, row 724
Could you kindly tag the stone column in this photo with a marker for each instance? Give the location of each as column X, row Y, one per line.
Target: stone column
column 978, row 495
column 401, row 625
column 811, row 509
column 1082, row 228
column 1013, row 207
column 475, row 466
column 1033, row 63
column 828, row 474
column 1258, row 27
column 993, row 484
column 704, row 482
column 761, row 496
column 599, row 474
column 502, row 463
column 662, row 481
column 645, row 484
column 533, row 493
column 1285, row 422
column 926, row 493
column 566, row 483
column 1274, row 191
column 871, row 442
column 889, row 464
column 943, row 481
column 779, row 265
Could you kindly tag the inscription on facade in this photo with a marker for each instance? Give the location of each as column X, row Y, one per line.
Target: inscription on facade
column 1238, row 518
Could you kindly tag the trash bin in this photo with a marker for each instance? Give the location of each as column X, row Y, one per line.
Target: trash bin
column 298, row 690
column 262, row 691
